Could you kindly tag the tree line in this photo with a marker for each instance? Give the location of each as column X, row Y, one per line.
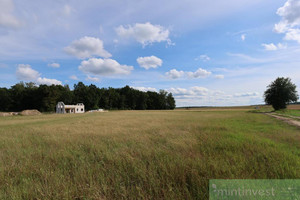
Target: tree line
column 44, row 98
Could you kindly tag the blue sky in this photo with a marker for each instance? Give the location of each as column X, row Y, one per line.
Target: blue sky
column 207, row 53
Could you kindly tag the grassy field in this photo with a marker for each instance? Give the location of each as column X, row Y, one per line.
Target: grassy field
column 295, row 113
column 141, row 154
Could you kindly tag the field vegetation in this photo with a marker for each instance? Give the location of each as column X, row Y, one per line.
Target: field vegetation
column 295, row 113
column 141, row 154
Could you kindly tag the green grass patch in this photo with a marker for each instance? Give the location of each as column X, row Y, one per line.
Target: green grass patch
column 287, row 112
column 141, row 154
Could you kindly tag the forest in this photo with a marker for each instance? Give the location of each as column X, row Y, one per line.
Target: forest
column 44, row 98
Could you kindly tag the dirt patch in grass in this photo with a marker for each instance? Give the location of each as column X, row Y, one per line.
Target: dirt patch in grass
column 288, row 120
column 30, row 112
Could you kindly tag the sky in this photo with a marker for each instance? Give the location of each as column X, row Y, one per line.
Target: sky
column 206, row 53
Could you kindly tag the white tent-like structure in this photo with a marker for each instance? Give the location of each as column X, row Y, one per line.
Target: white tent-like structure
column 61, row 108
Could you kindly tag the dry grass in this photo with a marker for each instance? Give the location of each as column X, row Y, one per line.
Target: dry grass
column 140, row 154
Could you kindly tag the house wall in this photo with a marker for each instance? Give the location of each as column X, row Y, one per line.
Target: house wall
column 79, row 109
column 62, row 108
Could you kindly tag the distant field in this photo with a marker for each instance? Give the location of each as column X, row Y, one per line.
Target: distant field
column 141, row 154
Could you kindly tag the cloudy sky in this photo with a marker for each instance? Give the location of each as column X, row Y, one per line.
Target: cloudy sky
column 204, row 52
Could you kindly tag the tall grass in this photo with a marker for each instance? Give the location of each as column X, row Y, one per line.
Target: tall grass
column 141, row 154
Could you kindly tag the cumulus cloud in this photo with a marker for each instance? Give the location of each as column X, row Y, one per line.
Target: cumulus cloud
column 145, row 89
column 290, row 12
column 174, row 74
column 192, row 91
column 149, row 62
column 199, row 90
column 54, row 65
column 73, row 77
column 273, row 47
column 199, row 73
column 87, row 47
column 203, row 57
column 47, row 81
column 145, row 33
column 290, row 20
column 293, row 34
column 7, row 19
column 26, row 73
column 94, row 79
column 219, row 76
column 98, row 66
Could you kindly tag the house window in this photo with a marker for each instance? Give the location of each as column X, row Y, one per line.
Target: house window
column 81, row 109
column 77, row 109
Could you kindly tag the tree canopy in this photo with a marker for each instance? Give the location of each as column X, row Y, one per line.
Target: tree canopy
column 280, row 93
column 44, row 98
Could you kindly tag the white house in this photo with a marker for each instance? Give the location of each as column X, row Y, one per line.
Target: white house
column 62, row 108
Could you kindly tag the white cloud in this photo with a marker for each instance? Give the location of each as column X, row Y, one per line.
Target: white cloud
column 281, row 27
column 203, row 57
column 26, row 73
column 180, row 91
column 145, row 33
column 87, row 47
column 273, row 47
column 290, row 20
column 98, row 66
column 94, row 79
column 174, row 74
column 47, row 81
column 270, row 47
column 290, row 12
column 247, row 94
column 293, row 34
column 199, row 73
column 149, row 62
column 73, row 77
column 199, row 90
column 7, row 19
column 243, row 37
column 54, row 65
column 145, row 89
column 219, row 76
column 191, row 92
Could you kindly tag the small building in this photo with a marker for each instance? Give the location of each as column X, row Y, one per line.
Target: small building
column 62, row 108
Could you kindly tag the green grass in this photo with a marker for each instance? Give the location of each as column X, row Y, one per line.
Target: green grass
column 141, row 154
column 295, row 113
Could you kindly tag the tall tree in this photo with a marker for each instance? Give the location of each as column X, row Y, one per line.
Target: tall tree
column 5, row 99
column 281, row 92
column 170, row 102
column 17, row 96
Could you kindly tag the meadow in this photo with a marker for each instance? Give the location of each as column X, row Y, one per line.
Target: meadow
column 141, row 154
